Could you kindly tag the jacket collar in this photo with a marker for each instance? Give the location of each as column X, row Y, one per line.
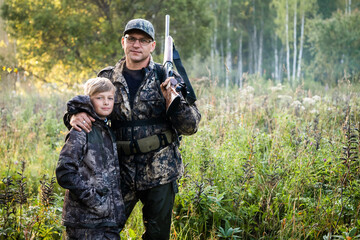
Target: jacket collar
column 119, row 67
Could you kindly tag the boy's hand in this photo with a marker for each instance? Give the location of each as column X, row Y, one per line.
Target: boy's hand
column 82, row 121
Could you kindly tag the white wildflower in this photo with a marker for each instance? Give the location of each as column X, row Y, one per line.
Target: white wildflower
column 316, row 98
column 248, row 90
column 285, row 98
column 277, row 88
column 308, row 101
column 314, row 111
column 296, row 104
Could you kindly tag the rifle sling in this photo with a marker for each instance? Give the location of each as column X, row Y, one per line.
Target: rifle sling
column 191, row 97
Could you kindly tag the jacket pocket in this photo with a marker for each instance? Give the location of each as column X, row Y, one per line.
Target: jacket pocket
column 97, row 204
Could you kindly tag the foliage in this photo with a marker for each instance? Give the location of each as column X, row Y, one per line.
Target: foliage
column 267, row 162
column 335, row 46
column 68, row 41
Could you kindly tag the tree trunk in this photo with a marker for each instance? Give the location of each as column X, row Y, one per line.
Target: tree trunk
column 349, row 7
column 212, row 60
column 251, row 54
column 228, row 49
column 276, row 61
column 295, row 44
column 255, row 45
column 346, row 7
column 261, row 40
column 281, row 63
column 287, row 42
column 240, row 64
column 222, row 61
column 301, row 44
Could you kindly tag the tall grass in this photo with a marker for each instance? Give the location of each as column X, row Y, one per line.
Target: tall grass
column 268, row 162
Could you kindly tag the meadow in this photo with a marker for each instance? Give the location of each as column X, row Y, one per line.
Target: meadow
column 269, row 162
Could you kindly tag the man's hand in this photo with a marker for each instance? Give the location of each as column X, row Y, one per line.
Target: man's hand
column 82, row 121
column 167, row 87
column 171, row 96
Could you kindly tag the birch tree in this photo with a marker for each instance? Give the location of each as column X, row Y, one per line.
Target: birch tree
column 287, row 42
column 240, row 62
column 228, row 49
column 295, row 43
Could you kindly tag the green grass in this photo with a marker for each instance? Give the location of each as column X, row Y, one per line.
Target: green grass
column 268, row 162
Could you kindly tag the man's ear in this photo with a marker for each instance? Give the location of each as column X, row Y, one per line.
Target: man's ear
column 122, row 41
column 153, row 45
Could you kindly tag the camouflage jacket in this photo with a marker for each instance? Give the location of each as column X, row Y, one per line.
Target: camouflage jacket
column 88, row 168
column 144, row 171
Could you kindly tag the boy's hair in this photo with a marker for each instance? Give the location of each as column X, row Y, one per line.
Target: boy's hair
column 98, row 85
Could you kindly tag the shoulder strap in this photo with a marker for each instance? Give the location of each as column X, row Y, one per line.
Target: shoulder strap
column 190, row 96
column 159, row 72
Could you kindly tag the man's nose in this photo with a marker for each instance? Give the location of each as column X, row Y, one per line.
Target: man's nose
column 137, row 43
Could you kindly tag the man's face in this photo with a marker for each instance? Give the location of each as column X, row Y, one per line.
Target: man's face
column 137, row 46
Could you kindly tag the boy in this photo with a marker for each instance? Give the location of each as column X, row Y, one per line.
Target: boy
column 88, row 168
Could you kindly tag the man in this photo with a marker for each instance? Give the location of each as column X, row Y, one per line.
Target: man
column 147, row 139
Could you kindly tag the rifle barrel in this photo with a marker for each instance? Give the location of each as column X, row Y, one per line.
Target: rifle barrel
column 167, row 25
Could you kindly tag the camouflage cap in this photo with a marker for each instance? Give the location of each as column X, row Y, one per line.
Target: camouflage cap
column 142, row 25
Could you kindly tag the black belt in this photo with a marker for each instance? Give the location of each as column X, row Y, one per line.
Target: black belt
column 137, row 123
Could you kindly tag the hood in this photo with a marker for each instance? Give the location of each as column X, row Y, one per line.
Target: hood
column 82, row 103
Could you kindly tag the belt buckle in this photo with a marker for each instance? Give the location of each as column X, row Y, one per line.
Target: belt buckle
column 133, row 149
column 163, row 139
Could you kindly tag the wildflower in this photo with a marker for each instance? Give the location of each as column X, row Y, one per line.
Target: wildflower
column 9, row 69
column 314, row 111
column 247, row 89
column 285, row 98
column 324, row 159
column 316, row 98
column 296, row 103
column 278, row 87
column 16, row 70
column 308, row 101
column 4, row 68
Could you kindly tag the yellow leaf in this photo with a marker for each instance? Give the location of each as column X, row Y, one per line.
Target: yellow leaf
column 2, row 43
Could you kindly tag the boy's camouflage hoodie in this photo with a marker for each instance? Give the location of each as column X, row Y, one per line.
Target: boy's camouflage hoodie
column 88, row 168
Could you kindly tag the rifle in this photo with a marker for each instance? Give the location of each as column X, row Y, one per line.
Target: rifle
column 187, row 90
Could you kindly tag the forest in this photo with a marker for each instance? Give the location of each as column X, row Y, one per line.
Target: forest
column 276, row 155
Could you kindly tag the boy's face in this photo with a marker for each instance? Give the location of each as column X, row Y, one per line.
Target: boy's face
column 103, row 103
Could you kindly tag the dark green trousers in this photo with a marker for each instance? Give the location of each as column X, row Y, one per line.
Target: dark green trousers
column 157, row 208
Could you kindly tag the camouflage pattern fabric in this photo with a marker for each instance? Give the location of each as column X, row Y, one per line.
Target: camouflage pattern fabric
column 144, row 171
column 88, row 168
column 140, row 24
column 92, row 234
